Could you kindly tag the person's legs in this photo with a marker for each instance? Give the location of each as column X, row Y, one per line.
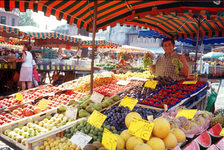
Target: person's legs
column 23, row 83
column 29, row 84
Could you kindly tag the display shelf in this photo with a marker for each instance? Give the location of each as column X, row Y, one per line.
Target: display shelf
column 197, row 102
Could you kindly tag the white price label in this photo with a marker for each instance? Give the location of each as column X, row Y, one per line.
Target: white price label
column 71, row 113
column 123, row 82
column 80, row 139
column 150, row 118
column 97, row 97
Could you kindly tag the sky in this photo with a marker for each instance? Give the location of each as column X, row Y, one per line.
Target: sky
column 43, row 21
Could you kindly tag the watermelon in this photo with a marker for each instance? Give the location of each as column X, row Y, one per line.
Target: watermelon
column 204, row 140
column 212, row 147
column 220, row 144
column 192, row 146
column 215, row 133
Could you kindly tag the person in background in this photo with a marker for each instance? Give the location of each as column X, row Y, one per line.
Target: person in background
column 171, row 64
column 35, row 76
column 206, row 68
column 26, row 72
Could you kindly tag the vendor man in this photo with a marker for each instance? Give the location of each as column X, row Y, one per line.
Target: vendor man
column 171, row 64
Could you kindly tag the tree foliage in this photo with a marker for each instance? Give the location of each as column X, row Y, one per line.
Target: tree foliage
column 26, row 19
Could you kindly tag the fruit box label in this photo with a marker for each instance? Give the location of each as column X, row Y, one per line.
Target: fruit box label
column 109, row 140
column 96, row 119
column 222, row 132
column 151, row 84
column 123, row 82
column 129, row 102
column 80, row 139
column 97, row 97
column 141, row 128
column 189, row 82
column 19, row 97
column 43, row 104
column 188, row 113
column 71, row 113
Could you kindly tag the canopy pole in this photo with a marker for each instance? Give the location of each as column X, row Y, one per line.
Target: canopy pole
column 93, row 45
column 196, row 55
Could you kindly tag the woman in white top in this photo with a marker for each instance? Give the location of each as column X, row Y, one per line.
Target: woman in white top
column 26, row 72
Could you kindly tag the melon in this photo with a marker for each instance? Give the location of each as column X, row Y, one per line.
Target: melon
column 161, row 128
column 212, row 147
column 215, row 133
column 125, row 135
column 130, row 116
column 142, row 147
column 156, row 143
column 204, row 140
column 132, row 142
column 192, row 146
column 179, row 134
column 120, row 142
column 170, row 141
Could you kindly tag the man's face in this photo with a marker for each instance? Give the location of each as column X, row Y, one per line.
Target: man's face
column 168, row 47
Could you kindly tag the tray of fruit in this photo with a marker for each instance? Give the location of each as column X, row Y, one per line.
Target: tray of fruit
column 7, row 117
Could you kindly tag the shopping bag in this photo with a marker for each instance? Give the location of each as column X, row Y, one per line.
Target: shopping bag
column 36, row 75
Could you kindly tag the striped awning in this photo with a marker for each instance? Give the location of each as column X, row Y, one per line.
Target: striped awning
column 98, row 43
column 14, row 32
column 109, row 12
column 183, row 25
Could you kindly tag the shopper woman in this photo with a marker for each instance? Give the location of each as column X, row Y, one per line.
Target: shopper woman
column 26, row 72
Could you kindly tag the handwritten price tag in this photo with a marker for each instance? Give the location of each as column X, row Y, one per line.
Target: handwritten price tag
column 0, row 66
column 68, row 67
column 37, row 67
column 123, row 82
column 151, row 84
column 189, row 82
column 58, row 68
column 53, row 67
column 72, row 67
column 188, row 113
column 222, row 132
column 109, row 140
column 150, row 118
column 43, row 104
column 5, row 66
column 48, row 67
column 80, row 139
column 41, row 67
column 63, row 68
column 19, row 97
column 141, row 128
column 96, row 119
column 96, row 97
column 71, row 113
column 129, row 102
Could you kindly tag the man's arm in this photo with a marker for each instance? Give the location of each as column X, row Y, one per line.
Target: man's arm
column 185, row 69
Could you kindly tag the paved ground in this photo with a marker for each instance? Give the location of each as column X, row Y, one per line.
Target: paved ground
column 220, row 98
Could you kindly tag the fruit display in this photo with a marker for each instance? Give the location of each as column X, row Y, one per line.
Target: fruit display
column 144, row 75
column 116, row 115
column 9, row 102
column 31, row 129
column 173, row 94
column 7, row 118
column 95, row 146
column 113, row 88
column 218, row 118
column 191, row 127
column 83, row 84
column 57, row 143
column 106, row 66
column 84, row 127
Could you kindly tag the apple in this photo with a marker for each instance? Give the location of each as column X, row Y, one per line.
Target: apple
column 16, row 130
column 30, row 125
column 7, row 132
column 25, row 128
column 25, row 135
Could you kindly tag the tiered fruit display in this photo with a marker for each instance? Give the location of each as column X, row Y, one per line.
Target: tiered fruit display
column 6, row 103
column 116, row 115
column 38, row 127
column 144, row 75
column 57, row 143
column 191, row 127
column 84, row 127
column 86, row 106
column 113, row 88
column 27, row 110
column 162, row 136
column 7, row 118
column 173, row 94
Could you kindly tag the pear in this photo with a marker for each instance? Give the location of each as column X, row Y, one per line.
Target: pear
column 83, row 113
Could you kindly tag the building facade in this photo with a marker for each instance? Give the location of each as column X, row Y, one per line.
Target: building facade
column 9, row 18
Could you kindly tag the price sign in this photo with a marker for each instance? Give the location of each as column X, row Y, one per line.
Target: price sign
column 48, row 67
column 165, row 107
column 58, row 68
column 123, row 82
column 188, row 113
column 150, row 118
column 41, row 67
column 109, row 140
column 5, row 66
column 151, row 84
column 19, row 97
column 141, row 128
column 53, row 67
column 222, row 132
column 63, row 68
column 129, row 102
column 80, row 139
column 68, row 67
column 43, row 104
column 96, row 119
column 189, row 82
column 96, row 97
column 37, row 67
column 72, row 67
column 71, row 112
column 0, row 66
column 10, row 66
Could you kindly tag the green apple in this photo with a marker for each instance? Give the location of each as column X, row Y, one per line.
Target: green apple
column 25, row 135
column 25, row 128
column 45, row 120
column 7, row 132
column 30, row 125
column 16, row 130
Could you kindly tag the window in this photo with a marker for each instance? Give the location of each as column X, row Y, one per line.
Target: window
column 3, row 20
column 13, row 21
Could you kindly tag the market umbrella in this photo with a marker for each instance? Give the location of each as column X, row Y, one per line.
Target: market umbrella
column 221, row 58
column 10, row 31
column 213, row 55
column 94, row 15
